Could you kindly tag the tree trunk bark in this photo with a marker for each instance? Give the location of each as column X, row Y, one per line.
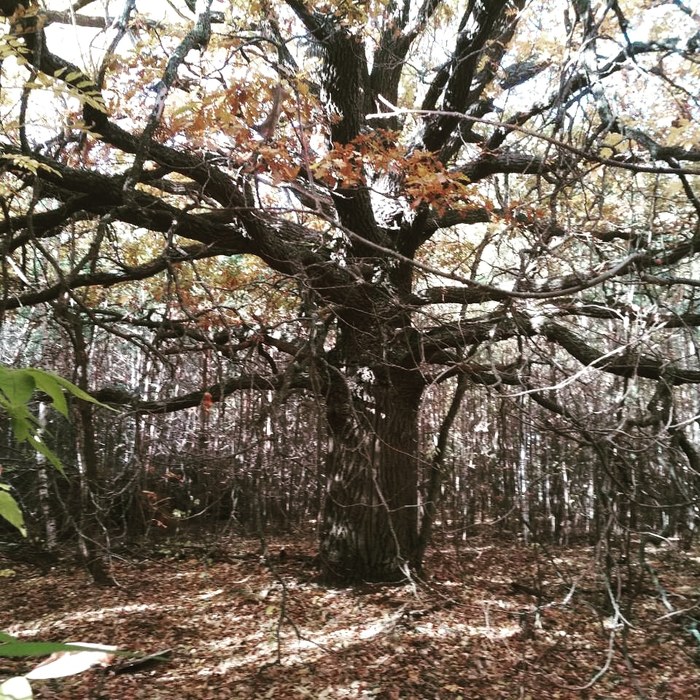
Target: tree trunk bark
column 93, row 544
column 437, row 465
column 369, row 523
column 48, row 519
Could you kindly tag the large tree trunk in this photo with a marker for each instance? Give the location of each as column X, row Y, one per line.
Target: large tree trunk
column 369, row 525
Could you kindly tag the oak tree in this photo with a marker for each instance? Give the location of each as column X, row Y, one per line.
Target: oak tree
column 441, row 190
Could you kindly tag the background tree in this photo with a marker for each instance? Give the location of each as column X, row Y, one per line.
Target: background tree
column 362, row 202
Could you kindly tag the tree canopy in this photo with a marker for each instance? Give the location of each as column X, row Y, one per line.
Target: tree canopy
column 362, row 201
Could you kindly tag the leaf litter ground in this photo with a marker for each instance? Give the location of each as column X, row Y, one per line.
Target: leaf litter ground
column 493, row 621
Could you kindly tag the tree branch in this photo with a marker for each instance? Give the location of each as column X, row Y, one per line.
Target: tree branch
column 218, row 392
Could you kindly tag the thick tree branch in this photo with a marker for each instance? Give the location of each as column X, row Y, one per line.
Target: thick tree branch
column 621, row 361
column 217, row 392
column 481, row 23
column 76, row 280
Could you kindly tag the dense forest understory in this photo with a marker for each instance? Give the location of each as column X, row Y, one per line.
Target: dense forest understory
column 420, row 277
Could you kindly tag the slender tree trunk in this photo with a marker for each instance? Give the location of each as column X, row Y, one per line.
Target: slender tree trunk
column 437, row 466
column 92, row 540
column 93, row 544
column 47, row 517
column 565, row 508
column 523, row 479
column 369, row 524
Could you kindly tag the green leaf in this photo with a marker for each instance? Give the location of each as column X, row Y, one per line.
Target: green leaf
column 10, row 511
column 47, row 382
column 53, row 385
column 19, row 649
column 17, row 385
column 42, row 448
column 23, row 422
column 76, row 391
column 16, row 389
column 4, row 637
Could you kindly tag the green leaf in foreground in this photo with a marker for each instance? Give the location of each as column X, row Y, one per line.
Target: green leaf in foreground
column 19, row 649
column 16, row 389
column 17, row 385
column 47, row 383
column 10, row 511
column 49, row 377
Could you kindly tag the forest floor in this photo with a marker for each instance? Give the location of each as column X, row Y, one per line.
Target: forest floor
column 493, row 621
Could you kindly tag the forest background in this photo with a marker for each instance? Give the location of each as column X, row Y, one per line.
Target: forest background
column 387, row 273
